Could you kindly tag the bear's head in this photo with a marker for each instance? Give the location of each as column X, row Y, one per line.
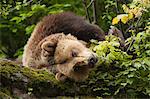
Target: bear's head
column 74, row 60
column 70, row 55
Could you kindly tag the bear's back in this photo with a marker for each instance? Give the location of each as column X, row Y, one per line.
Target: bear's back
column 66, row 22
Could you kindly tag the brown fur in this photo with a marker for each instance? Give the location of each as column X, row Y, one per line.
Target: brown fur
column 48, row 46
column 66, row 62
column 57, row 49
column 67, row 23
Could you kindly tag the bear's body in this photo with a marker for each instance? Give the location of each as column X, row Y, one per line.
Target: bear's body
column 48, row 45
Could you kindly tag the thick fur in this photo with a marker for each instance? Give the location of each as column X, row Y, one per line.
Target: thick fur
column 67, row 62
column 58, row 49
column 42, row 55
column 66, row 22
column 46, row 45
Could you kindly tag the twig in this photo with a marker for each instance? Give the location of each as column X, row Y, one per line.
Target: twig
column 95, row 21
column 130, row 44
column 137, row 23
column 3, row 51
column 117, row 11
column 11, row 10
column 90, row 3
column 128, row 29
column 86, row 10
column 136, row 26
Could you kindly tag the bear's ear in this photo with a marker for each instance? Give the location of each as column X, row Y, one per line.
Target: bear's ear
column 60, row 77
column 48, row 46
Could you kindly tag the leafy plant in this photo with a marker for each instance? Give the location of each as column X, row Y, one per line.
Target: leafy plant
column 123, row 73
column 117, row 72
column 18, row 20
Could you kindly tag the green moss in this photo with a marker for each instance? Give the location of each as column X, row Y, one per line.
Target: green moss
column 40, row 75
column 41, row 81
column 4, row 96
column 5, row 93
column 8, row 68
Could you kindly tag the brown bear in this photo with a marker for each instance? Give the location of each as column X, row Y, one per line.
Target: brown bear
column 71, row 57
column 48, row 46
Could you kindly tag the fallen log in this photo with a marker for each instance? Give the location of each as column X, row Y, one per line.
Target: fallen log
column 26, row 82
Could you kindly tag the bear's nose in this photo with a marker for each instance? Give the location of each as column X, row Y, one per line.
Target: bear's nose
column 92, row 61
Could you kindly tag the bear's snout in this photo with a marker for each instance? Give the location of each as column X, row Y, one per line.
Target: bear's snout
column 92, row 61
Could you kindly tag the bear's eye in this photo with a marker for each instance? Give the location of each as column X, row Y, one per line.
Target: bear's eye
column 74, row 53
column 63, row 62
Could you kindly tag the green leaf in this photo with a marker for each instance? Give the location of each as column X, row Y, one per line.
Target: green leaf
column 130, row 81
column 124, row 84
column 131, row 69
column 131, row 75
column 137, row 65
column 148, row 90
column 15, row 18
column 14, row 30
column 147, row 61
column 117, row 91
column 29, row 29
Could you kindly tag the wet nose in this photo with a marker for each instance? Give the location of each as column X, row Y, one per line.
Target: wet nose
column 92, row 60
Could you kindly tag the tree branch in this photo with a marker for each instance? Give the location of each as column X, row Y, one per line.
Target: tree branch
column 91, row 2
column 117, row 11
column 136, row 27
column 86, row 10
column 95, row 19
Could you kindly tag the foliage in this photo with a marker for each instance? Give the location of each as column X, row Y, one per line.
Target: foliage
column 18, row 20
column 132, row 12
column 124, row 73
column 118, row 73
column 19, row 17
column 135, row 16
